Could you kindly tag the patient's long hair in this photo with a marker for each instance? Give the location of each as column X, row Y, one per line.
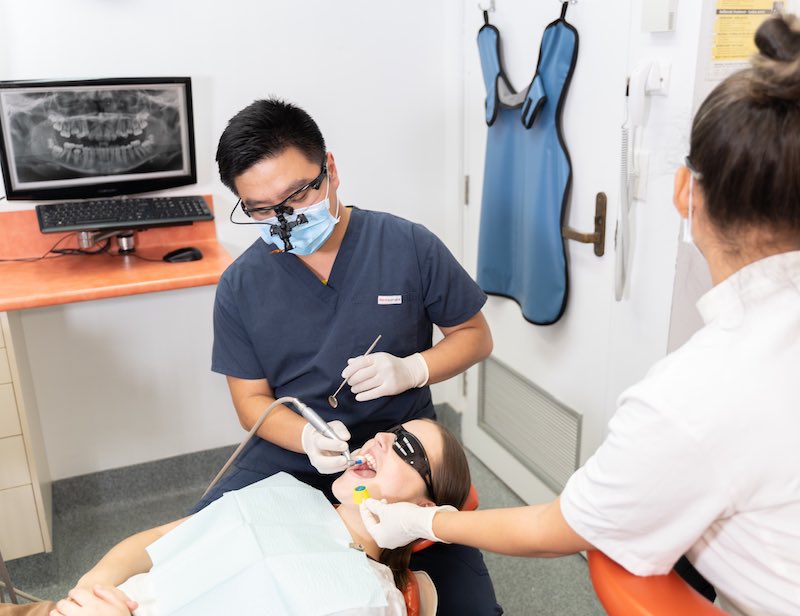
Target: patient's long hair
column 451, row 482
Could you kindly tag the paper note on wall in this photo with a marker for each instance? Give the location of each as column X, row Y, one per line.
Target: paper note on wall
column 735, row 25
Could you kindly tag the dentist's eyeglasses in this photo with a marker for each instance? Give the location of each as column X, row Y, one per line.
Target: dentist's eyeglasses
column 298, row 198
column 413, row 453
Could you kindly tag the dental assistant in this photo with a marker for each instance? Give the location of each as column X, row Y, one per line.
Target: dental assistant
column 703, row 455
column 295, row 313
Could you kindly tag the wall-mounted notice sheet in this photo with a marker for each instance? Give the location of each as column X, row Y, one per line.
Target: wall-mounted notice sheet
column 735, row 25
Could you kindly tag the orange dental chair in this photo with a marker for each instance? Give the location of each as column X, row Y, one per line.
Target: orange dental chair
column 419, row 598
column 624, row 594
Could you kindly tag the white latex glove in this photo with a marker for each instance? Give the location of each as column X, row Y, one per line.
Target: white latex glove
column 399, row 524
column 383, row 374
column 326, row 454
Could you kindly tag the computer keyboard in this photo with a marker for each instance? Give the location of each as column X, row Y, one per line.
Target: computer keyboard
column 121, row 213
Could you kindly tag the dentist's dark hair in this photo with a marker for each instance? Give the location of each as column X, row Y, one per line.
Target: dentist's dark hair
column 265, row 129
column 451, row 481
column 745, row 140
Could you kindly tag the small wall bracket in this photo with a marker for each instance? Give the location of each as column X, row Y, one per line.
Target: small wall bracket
column 598, row 238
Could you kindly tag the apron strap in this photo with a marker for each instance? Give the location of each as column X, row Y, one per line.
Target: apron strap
column 489, row 50
column 534, row 101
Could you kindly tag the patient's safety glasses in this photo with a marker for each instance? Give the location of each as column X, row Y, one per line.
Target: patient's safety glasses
column 412, row 452
column 299, row 198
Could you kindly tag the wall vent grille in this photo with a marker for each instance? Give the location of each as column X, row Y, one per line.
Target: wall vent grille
column 529, row 423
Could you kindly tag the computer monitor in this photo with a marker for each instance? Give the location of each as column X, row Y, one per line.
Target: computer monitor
column 94, row 138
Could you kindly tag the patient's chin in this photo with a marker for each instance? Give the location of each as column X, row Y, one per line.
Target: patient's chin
column 342, row 489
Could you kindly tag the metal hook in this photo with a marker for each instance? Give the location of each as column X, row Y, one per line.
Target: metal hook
column 564, row 4
column 598, row 238
column 486, row 11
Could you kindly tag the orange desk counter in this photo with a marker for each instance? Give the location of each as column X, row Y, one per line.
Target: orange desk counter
column 25, row 494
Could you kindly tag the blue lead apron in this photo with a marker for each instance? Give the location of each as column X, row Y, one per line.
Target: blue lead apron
column 527, row 177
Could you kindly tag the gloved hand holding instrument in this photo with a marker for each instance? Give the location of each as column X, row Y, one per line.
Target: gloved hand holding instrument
column 383, row 374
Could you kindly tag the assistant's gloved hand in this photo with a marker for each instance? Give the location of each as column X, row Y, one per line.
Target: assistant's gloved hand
column 383, row 374
column 399, row 524
column 325, row 453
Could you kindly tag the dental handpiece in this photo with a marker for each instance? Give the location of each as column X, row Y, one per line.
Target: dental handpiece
column 320, row 426
column 314, row 419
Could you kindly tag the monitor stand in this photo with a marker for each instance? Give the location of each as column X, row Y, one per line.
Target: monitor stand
column 125, row 239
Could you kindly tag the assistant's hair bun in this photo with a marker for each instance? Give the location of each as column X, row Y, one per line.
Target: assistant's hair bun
column 776, row 69
column 779, row 39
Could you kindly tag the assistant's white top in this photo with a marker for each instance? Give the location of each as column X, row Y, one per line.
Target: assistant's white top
column 703, row 455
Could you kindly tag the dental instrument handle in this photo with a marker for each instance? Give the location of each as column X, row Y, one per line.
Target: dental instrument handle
column 368, row 351
column 332, row 398
column 247, row 438
column 314, row 419
column 318, row 423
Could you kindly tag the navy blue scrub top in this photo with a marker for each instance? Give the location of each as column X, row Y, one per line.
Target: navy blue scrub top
column 274, row 319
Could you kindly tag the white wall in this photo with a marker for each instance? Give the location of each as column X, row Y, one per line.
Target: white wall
column 640, row 325
column 600, row 346
column 127, row 380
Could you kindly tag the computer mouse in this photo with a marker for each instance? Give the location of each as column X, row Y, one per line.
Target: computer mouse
column 179, row 255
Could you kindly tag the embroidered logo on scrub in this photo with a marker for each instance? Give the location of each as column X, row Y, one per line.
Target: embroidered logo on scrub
column 386, row 300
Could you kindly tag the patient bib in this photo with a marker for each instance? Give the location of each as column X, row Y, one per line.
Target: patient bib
column 274, row 547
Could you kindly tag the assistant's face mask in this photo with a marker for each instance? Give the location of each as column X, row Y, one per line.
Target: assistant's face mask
column 307, row 237
column 687, row 225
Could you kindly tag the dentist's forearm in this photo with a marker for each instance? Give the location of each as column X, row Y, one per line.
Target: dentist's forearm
column 462, row 346
column 282, row 426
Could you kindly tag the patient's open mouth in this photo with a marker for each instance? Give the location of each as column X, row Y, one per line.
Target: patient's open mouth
column 367, row 469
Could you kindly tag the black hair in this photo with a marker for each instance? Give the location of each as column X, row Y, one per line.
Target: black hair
column 264, row 129
column 745, row 139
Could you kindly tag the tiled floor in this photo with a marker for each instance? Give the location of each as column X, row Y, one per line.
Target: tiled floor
column 95, row 511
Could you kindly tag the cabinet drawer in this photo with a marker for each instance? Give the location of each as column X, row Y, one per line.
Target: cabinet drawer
column 9, row 420
column 13, row 464
column 5, row 370
column 20, row 534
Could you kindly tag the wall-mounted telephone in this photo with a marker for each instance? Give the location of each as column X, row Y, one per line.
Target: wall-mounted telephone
column 647, row 78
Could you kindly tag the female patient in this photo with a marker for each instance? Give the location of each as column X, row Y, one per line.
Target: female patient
column 419, row 462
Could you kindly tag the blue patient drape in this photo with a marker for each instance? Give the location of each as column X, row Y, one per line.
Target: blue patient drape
column 527, row 177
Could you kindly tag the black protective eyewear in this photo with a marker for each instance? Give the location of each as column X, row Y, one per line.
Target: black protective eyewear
column 282, row 208
column 413, row 453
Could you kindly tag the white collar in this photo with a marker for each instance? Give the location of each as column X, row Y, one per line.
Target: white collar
column 726, row 302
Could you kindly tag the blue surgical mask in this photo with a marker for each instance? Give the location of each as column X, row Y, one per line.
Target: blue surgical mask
column 307, row 237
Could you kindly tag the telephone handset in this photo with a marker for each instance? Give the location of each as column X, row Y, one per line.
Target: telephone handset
column 647, row 78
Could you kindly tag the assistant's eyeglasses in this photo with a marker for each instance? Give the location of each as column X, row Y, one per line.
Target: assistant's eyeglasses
column 690, row 166
column 285, row 207
column 413, row 453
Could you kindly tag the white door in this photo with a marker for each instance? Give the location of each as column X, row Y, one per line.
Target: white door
column 569, row 359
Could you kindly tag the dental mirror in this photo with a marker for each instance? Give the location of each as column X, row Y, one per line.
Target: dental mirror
column 332, row 398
